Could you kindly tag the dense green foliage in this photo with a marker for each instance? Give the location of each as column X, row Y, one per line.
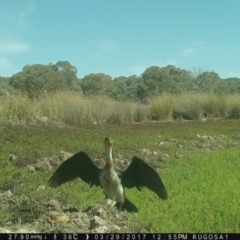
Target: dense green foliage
column 38, row 78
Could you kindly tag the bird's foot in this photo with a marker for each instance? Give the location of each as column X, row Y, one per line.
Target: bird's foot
column 110, row 202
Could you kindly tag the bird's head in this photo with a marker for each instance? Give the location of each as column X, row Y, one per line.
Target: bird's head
column 108, row 142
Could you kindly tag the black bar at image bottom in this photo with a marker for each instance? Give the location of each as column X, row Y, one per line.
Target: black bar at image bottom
column 118, row 236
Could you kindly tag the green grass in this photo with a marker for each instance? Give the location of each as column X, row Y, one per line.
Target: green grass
column 162, row 107
column 203, row 187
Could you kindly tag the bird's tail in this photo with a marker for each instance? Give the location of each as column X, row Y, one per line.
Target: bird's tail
column 127, row 205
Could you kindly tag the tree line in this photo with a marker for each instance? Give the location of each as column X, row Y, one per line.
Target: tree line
column 38, row 79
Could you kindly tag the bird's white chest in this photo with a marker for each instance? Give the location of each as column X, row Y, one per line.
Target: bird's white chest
column 112, row 186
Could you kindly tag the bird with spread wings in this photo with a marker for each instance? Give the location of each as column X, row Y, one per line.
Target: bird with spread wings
column 113, row 181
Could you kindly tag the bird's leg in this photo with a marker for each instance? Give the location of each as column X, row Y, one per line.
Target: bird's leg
column 119, row 205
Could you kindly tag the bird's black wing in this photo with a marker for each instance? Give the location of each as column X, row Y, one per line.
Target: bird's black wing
column 79, row 165
column 140, row 174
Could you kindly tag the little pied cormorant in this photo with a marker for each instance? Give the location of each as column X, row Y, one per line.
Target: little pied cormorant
column 138, row 174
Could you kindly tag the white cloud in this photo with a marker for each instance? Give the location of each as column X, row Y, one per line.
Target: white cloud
column 8, row 47
column 197, row 47
column 188, row 52
column 23, row 15
column 192, row 49
column 108, row 45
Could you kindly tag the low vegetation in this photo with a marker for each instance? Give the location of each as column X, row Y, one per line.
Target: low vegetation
column 73, row 108
column 198, row 162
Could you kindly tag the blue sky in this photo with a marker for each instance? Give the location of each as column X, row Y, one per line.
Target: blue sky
column 121, row 38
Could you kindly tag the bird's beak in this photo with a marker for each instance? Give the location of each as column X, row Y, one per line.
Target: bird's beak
column 109, row 141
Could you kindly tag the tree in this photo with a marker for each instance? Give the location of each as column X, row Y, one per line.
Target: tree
column 5, row 88
column 136, row 90
column 69, row 72
column 118, row 90
column 182, row 79
column 96, row 84
column 206, row 81
column 36, row 79
column 142, row 92
column 157, row 80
